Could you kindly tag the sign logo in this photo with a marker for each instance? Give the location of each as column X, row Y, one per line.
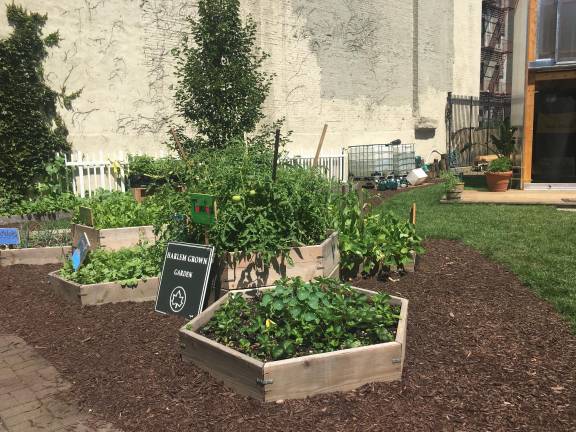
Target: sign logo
column 177, row 299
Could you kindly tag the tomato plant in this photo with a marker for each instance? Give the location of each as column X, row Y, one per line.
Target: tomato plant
column 297, row 318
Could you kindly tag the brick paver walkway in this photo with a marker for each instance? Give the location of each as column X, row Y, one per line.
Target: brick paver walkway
column 28, row 394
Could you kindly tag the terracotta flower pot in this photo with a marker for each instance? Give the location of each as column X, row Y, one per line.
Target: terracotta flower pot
column 498, row 181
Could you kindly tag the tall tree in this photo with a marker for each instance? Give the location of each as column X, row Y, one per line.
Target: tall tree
column 31, row 131
column 221, row 87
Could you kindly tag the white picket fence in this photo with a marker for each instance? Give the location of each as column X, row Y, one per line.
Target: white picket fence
column 102, row 172
column 110, row 171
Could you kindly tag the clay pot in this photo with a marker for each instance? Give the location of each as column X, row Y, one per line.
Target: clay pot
column 498, row 181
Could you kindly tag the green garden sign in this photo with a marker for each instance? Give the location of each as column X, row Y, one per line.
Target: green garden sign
column 203, row 209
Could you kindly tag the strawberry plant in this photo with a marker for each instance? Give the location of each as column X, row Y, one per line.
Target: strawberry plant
column 297, row 319
column 125, row 266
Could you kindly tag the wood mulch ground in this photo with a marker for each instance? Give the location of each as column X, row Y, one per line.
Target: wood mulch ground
column 484, row 354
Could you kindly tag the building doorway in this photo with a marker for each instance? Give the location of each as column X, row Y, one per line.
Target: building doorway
column 554, row 143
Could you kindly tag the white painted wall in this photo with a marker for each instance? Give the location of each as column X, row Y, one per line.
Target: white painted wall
column 362, row 66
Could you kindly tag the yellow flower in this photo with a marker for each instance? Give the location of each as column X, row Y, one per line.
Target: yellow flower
column 269, row 323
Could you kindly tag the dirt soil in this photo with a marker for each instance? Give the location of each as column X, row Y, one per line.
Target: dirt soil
column 483, row 354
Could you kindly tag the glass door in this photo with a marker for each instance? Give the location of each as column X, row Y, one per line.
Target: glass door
column 554, row 145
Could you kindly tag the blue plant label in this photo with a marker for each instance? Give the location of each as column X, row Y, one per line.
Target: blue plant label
column 10, row 236
column 81, row 251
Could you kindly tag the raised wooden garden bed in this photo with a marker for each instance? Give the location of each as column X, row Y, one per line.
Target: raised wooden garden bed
column 309, row 262
column 34, row 256
column 110, row 292
column 297, row 377
column 113, row 238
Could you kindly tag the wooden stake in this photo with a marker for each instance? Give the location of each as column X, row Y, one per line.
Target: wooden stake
column 413, row 214
column 320, row 144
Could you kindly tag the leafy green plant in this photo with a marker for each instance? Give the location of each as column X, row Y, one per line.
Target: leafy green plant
column 119, row 209
column 146, row 171
column 125, row 266
column 502, row 164
column 220, row 87
column 297, row 319
column 374, row 241
column 45, row 234
column 256, row 216
column 450, row 180
column 505, row 143
column 31, row 130
column 39, row 206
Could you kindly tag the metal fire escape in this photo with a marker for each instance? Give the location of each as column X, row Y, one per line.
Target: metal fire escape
column 496, row 48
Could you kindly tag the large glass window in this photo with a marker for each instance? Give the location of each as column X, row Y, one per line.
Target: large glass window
column 547, row 29
column 557, row 30
column 566, row 30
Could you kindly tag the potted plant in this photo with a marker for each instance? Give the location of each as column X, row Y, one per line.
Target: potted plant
column 452, row 185
column 499, row 170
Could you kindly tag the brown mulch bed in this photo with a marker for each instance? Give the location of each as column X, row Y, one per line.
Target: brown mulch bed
column 483, row 354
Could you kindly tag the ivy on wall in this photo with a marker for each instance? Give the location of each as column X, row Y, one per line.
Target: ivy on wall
column 31, row 131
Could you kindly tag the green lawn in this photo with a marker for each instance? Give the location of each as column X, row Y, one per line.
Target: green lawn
column 538, row 243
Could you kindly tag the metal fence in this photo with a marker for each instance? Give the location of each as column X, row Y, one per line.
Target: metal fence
column 470, row 122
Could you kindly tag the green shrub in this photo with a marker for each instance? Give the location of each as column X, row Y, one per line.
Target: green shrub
column 150, row 172
column 125, row 266
column 297, row 319
column 31, row 131
column 502, row 164
column 39, row 206
column 374, row 241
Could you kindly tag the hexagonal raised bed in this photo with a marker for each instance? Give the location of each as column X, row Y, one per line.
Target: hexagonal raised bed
column 309, row 262
column 297, row 377
column 109, row 292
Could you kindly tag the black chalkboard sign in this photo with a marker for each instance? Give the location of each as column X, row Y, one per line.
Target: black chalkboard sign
column 184, row 279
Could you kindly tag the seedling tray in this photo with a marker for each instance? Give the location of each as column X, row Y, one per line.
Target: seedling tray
column 297, row 377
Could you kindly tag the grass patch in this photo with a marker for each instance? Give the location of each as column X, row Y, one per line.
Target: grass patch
column 537, row 243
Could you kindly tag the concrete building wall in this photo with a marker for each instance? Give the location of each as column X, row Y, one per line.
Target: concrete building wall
column 373, row 70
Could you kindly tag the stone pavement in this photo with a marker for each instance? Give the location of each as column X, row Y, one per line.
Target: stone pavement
column 29, row 388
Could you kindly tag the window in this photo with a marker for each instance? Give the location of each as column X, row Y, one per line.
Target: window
column 566, row 30
column 557, row 31
column 547, row 29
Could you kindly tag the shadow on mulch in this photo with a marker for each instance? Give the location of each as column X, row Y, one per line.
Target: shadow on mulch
column 483, row 354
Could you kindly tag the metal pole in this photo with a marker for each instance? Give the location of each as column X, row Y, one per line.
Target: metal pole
column 275, row 161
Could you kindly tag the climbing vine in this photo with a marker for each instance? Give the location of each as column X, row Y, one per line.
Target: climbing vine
column 31, row 130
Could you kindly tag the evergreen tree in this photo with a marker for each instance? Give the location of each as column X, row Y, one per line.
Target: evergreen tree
column 220, row 85
column 31, row 131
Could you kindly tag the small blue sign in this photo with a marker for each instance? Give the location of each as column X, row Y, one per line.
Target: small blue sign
column 80, row 253
column 9, row 236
